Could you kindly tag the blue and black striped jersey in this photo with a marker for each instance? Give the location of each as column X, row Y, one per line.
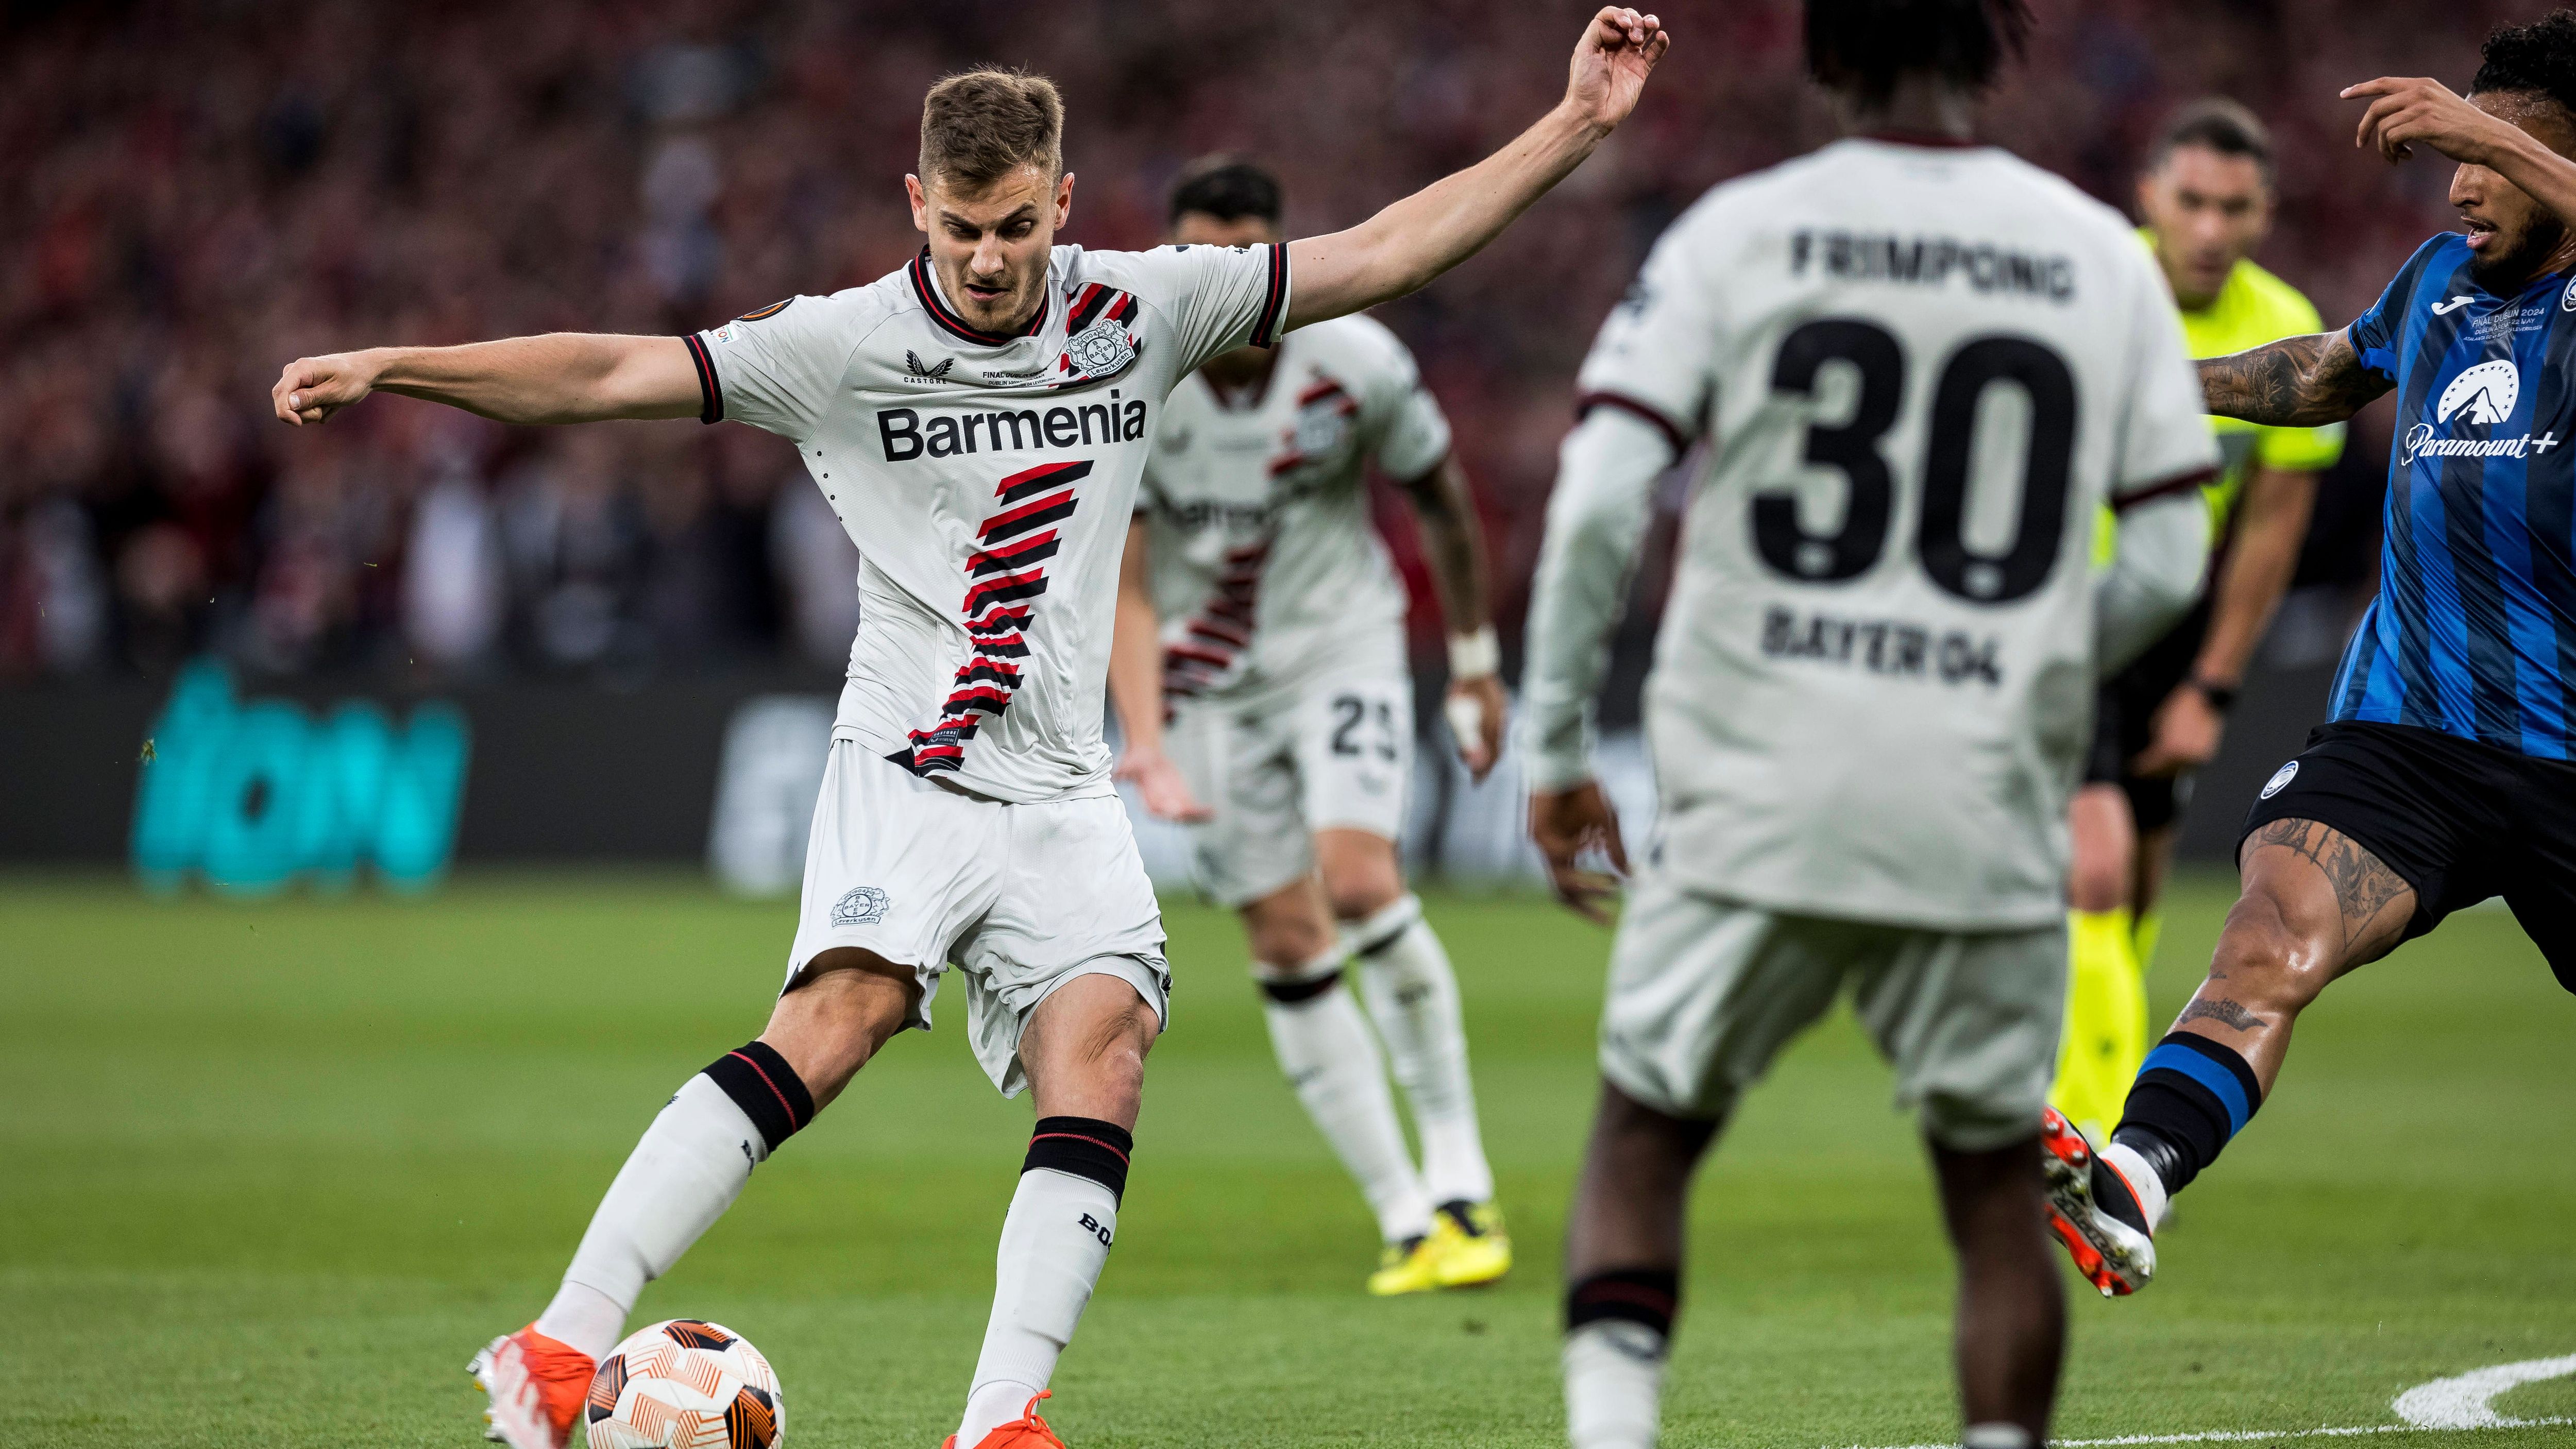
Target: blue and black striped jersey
column 2474, row 629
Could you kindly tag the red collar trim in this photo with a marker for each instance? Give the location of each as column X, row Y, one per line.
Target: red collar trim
column 928, row 291
column 1925, row 139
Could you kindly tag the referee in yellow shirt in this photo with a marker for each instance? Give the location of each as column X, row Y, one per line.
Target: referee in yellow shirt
column 2206, row 196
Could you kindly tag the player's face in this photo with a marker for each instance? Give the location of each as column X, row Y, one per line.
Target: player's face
column 1198, row 229
column 990, row 247
column 2510, row 235
column 2208, row 211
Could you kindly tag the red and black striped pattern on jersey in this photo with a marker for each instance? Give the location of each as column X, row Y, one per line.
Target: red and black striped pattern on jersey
column 1274, row 302
column 1216, row 636
column 1674, row 433
column 927, row 289
column 710, row 388
column 1324, row 395
column 1093, row 302
column 1004, row 573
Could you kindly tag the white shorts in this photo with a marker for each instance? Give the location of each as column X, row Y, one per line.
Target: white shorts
column 1705, row 992
column 1333, row 754
column 1021, row 898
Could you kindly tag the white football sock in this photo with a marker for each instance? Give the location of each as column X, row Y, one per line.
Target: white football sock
column 1614, row 1381
column 689, row 1167
column 2153, row 1200
column 585, row 1318
column 1054, row 1243
column 1325, row 1047
column 1413, row 997
column 1995, row 1436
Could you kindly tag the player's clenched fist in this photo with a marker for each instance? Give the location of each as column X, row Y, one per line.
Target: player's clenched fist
column 1610, row 64
column 311, row 389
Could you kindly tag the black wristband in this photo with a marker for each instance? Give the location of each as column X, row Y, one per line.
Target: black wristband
column 2221, row 697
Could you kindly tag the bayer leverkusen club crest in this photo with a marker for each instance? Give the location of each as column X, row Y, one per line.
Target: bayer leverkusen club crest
column 1100, row 335
column 1103, row 349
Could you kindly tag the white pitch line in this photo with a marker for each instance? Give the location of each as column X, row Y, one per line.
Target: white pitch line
column 2249, row 1436
column 2463, row 1401
column 2443, row 1406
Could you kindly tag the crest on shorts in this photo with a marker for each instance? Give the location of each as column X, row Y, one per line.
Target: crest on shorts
column 2280, row 777
column 863, row 906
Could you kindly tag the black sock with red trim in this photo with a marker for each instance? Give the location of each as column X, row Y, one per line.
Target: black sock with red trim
column 767, row 1090
column 1646, row 1296
column 1083, row 1147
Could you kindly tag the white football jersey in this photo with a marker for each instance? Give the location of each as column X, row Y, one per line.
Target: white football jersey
column 988, row 482
column 1265, row 566
column 1921, row 371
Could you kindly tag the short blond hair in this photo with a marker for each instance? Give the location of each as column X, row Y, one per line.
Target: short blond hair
column 981, row 125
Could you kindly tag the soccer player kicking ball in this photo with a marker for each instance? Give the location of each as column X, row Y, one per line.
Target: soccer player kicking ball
column 978, row 419
column 2206, row 195
column 1258, row 602
column 2442, row 775
column 1866, row 712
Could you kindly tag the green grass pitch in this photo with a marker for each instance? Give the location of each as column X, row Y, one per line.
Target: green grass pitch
column 269, row 1173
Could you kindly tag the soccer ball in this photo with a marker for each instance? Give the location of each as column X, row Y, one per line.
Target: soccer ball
column 685, row 1384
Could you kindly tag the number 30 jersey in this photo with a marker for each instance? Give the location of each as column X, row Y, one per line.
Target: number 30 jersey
column 988, row 481
column 1921, row 370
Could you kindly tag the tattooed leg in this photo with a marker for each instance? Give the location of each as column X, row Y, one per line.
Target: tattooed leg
column 2315, row 905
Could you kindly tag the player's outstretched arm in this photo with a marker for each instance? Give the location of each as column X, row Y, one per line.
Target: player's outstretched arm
column 2407, row 109
column 1453, row 542
column 1136, row 690
column 1403, row 247
column 1596, row 522
column 2297, row 382
column 561, row 377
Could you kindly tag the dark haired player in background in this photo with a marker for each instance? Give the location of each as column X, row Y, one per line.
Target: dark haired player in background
column 2442, row 777
column 2206, row 198
column 1865, row 724
column 1258, row 605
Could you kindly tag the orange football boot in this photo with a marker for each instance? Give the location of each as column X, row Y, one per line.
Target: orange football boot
column 2114, row 1256
column 1028, row 1431
column 537, row 1386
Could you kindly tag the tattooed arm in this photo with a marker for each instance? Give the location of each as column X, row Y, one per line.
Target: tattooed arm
column 2297, row 382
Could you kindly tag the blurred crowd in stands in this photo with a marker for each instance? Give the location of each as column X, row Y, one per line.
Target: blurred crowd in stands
column 198, row 192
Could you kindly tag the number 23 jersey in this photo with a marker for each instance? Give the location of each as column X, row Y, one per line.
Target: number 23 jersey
column 1921, row 371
